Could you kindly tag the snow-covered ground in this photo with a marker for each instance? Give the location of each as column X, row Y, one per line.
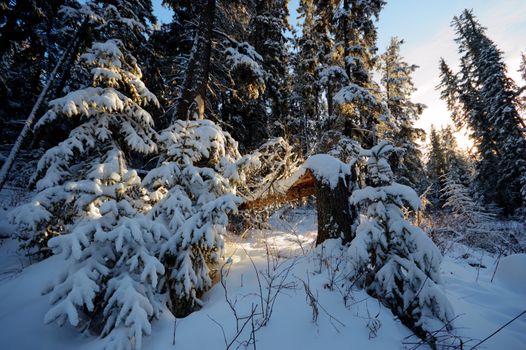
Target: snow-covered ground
column 284, row 257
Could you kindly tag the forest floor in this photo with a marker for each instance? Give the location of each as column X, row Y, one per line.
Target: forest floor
column 286, row 294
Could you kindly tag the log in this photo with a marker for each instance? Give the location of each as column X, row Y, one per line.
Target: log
column 303, row 187
column 336, row 216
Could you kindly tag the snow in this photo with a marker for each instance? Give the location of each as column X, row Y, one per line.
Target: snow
column 511, row 272
column 354, row 94
column 482, row 306
column 396, row 190
column 6, row 229
column 325, row 168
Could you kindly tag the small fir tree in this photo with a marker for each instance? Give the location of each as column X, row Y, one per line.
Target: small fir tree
column 393, row 260
column 398, row 87
column 90, row 204
column 458, row 199
column 194, row 191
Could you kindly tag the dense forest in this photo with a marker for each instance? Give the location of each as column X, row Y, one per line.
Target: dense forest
column 135, row 155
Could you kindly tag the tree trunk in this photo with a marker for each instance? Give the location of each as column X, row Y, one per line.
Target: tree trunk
column 330, row 104
column 6, row 167
column 346, row 42
column 8, row 32
column 195, row 84
column 336, row 216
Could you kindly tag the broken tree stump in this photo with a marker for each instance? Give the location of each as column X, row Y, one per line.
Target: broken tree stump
column 332, row 183
column 336, row 215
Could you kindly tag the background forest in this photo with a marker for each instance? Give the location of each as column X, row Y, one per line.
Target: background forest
column 132, row 150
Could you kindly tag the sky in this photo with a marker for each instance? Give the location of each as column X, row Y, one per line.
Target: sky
column 425, row 27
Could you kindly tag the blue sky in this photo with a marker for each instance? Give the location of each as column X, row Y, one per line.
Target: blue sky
column 424, row 24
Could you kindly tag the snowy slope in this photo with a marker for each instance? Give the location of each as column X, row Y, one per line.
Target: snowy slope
column 482, row 306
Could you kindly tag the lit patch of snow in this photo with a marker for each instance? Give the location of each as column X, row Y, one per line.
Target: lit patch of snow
column 482, row 306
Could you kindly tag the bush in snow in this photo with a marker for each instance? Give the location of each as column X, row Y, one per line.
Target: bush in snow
column 194, row 189
column 393, row 260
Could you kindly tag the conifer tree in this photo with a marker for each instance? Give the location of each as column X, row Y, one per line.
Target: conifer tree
column 393, row 260
column 236, row 84
column 436, row 164
column 522, row 90
column 458, row 199
column 107, row 119
column 360, row 113
column 359, row 101
column 398, row 86
column 484, row 98
column 29, row 49
column 445, row 158
column 306, row 94
column 267, row 36
column 523, row 66
column 89, row 203
column 194, row 191
column 323, row 32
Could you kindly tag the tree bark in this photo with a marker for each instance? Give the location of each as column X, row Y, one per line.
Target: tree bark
column 195, row 84
column 330, row 104
column 336, row 216
column 8, row 32
column 6, row 167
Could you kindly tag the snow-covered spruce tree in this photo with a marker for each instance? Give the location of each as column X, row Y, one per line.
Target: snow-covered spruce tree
column 89, row 203
column 467, row 109
column 268, row 36
column 107, row 120
column 445, row 157
column 306, row 91
column 194, row 189
column 483, row 97
column 234, row 84
column 398, row 87
column 522, row 90
column 393, row 260
column 436, row 166
column 458, row 198
column 359, row 102
column 243, row 111
column 359, row 110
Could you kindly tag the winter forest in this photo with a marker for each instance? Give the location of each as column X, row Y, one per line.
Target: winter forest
column 238, row 177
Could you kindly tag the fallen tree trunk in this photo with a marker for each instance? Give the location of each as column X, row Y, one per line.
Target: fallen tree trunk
column 336, row 216
column 303, row 187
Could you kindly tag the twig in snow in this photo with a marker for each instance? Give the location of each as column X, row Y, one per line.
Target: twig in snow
column 498, row 330
column 271, row 283
column 478, row 267
column 175, row 328
column 440, row 338
column 316, row 306
column 496, row 265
